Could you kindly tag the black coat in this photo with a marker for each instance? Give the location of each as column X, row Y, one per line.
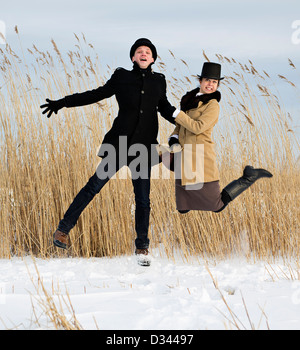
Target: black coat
column 140, row 94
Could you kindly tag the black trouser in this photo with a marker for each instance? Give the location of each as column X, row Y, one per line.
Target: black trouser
column 141, row 188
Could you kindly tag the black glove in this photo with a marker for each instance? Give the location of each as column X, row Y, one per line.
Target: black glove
column 173, row 141
column 53, row 106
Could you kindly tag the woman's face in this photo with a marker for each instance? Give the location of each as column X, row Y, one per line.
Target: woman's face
column 208, row 86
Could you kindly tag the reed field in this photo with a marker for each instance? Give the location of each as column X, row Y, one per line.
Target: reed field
column 45, row 162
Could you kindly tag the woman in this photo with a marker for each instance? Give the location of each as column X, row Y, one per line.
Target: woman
column 197, row 188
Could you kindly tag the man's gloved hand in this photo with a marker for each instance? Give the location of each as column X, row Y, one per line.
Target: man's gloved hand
column 53, row 106
column 173, row 141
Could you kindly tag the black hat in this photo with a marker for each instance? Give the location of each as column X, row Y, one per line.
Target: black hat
column 211, row 70
column 143, row 42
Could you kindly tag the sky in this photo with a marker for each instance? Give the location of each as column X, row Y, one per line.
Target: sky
column 257, row 30
column 265, row 31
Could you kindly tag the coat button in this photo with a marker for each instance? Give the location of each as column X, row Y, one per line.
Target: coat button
column 142, row 92
column 141, row 111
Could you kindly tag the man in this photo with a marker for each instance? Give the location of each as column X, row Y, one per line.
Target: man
column 140, row 93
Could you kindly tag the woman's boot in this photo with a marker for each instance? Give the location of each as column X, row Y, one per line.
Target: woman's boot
column 236, row 187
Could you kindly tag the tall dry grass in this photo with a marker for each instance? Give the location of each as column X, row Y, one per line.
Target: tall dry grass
column 45, row 162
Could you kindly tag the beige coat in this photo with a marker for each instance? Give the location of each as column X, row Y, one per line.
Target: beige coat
column 194, row 128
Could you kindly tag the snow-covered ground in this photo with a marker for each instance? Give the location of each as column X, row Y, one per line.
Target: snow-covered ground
column 118, row 294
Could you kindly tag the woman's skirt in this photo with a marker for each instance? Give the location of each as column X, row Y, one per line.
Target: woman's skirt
column 206, row 196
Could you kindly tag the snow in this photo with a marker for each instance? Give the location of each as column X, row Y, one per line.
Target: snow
column 117, row 294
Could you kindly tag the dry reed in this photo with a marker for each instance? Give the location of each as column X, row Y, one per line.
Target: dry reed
column 45, row 162
column 52, row 306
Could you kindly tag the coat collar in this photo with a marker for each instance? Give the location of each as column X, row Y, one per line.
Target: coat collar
column 136, row 68
column 190, row 100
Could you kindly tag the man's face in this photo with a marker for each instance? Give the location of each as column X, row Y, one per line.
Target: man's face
column 143, row 56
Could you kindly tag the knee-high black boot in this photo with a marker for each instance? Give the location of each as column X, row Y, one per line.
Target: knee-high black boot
column 236, row 187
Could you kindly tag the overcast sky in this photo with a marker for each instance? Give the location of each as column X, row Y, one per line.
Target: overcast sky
column 265, row 31
column 256, row 30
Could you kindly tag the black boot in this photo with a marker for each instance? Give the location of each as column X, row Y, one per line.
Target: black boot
column 236, row 187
